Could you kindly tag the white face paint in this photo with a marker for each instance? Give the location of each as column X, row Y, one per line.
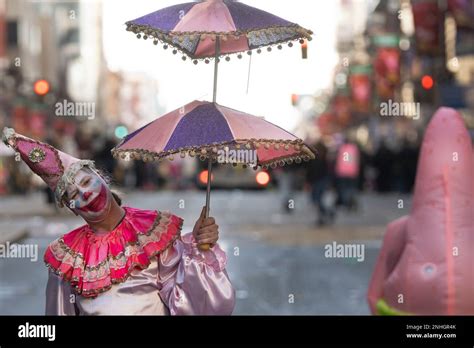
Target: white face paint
column 89, row 196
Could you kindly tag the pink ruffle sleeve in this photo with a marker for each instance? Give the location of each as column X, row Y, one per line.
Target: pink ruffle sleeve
column 194, row 282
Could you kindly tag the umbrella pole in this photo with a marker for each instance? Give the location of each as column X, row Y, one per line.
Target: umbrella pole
column 216, row 66
column 214, row 94
column 209, row 163
column 208, row 190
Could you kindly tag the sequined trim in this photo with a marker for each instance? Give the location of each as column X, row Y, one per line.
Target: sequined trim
column 89, row 274
column 210, row 151
column 186, row 42
column 65, row 252
column 36, row 155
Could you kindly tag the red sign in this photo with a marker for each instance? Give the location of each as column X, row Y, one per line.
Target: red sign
column 387, row 71
column 427, row 18
column 361, row 92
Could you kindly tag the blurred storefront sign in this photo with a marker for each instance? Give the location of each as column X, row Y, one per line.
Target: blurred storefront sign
column 463, row 12
column 387, row 65
column 341, row 105
column 20, row 116
column 325, row 123
column 38, row 121
column 427, row 17
column 361, row 89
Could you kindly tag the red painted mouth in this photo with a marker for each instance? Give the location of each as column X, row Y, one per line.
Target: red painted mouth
column 98, row 203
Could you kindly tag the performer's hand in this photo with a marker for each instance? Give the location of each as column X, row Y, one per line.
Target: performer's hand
column 205, row 230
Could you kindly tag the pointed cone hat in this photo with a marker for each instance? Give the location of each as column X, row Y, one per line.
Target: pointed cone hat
column 55, row 167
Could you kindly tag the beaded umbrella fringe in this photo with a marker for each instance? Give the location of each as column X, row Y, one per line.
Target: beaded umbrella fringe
column 167, row 38
column 211, row 152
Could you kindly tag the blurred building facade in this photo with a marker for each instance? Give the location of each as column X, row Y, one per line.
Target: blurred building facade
column 416, row 54
column 391, row 51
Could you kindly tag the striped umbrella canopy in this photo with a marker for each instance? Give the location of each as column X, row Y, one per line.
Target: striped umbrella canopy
column 209, row 131
column 192, row 28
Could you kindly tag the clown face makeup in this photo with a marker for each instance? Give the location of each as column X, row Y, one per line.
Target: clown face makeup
column 89, row 196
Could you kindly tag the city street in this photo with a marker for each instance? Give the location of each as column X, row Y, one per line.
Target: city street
column 276, row 261
column 335, row 139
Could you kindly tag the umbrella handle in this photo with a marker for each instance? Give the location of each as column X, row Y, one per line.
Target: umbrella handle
column 204, row 247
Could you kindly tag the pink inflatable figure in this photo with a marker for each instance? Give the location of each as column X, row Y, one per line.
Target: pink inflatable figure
column 426, row 264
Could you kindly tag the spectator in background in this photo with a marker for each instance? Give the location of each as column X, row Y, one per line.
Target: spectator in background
column 319, row 178
column 347, row 174
column 383, row 161
column 408, row 160
column 286, row 183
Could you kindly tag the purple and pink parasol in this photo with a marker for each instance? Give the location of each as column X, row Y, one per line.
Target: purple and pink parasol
column 204, row 129
column 192, row 28
column 201, row 30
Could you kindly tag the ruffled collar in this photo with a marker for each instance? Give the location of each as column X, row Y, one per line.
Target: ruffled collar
column 93, row 263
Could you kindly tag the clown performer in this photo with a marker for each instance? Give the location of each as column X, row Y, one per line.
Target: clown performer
column 123, row 260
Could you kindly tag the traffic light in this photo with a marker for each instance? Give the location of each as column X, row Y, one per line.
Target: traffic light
column 304, row 49
column 427, row 82
column 41, row 87
column 121, row 131
column 262, row 178
column 203, row 175
column 424, row 90
column 294, row 99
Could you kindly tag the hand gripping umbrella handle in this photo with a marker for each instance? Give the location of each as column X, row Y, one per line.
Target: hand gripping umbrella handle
column 205, row 247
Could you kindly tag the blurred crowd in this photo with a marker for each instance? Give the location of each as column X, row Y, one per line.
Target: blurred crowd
column 343, row 169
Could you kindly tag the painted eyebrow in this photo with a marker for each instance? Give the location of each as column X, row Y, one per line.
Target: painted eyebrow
column 83, row 179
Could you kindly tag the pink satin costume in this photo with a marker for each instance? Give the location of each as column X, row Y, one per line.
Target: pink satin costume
column 142, row 267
